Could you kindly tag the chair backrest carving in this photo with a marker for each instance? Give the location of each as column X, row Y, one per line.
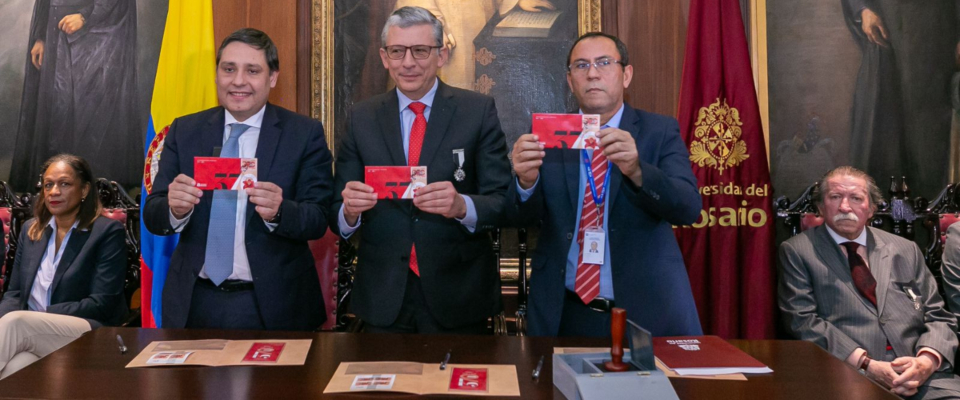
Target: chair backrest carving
column 325, row 254
column 13, row 213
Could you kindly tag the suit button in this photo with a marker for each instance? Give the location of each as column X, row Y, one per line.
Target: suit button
column 416, row 219
column 569, row 236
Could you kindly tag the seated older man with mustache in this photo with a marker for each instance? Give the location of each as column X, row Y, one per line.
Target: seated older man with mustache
column 866, row 296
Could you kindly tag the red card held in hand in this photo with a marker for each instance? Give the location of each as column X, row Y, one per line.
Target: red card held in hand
column 215, row 173
column 395, row 182
column 567, row 131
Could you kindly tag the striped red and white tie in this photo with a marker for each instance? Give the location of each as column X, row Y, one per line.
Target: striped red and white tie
column 587, row 283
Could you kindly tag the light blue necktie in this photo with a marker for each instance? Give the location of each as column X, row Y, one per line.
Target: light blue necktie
column 218, row 262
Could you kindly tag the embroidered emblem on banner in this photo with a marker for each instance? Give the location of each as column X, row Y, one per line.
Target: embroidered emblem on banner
column 151, row 164
column 717, row 144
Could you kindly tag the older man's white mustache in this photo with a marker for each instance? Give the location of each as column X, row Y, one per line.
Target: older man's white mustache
column 846, row 216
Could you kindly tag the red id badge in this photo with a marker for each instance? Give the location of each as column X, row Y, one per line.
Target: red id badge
column 395, row 182
column 567, row 131
column 215, row 173
column 469, row 379
column 264, row 352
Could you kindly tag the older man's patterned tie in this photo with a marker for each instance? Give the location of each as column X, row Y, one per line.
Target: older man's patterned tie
column 862, row 278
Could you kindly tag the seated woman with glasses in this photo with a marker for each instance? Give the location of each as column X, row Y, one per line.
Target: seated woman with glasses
column 68, row 272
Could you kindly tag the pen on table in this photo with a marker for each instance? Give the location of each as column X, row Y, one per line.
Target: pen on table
column 123, row 347
column 536, row 371
column 443, row 365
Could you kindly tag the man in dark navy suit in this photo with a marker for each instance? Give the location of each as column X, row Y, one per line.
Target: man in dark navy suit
column 625, row 196
column 242, row 261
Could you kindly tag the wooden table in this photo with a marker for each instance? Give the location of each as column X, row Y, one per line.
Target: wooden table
column 92, row 367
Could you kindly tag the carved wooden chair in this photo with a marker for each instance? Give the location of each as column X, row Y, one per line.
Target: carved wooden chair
column 514, row 286
column 119, row 206
column 326, row 255
column 13, row 213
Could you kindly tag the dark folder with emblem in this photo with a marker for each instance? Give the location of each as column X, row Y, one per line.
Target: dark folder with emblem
column 704, row 355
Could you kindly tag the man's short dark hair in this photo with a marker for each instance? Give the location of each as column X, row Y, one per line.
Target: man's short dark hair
column 621, row 48
column 256, row 39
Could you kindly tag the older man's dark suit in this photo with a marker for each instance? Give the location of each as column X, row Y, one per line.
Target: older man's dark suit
column 88, row 282
column 457, row 268
column 649, row 277
column 292, row 154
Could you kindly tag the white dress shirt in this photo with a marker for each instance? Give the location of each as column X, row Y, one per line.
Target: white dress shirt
column 40, row 291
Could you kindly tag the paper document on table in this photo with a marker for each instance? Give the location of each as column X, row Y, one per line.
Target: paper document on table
column 218, row 353
column 417, row 378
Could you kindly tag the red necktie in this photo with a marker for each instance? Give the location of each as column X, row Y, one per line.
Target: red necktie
column 417, row 132
column 587, row 283
column 862, row 278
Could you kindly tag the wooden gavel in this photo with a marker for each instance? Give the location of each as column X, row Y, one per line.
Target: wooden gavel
column 618, row 323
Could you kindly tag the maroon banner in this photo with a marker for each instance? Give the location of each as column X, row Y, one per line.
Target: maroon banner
column 729, row 250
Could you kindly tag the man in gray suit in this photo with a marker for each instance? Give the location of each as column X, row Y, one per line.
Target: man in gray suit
column 951, row 269
column 866, row 296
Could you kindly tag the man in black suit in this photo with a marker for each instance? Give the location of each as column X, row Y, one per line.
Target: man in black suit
column 242, row 261
column 425, row 265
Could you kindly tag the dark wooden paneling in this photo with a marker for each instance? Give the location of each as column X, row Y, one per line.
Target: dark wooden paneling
column 273, row 17
column 655, row 33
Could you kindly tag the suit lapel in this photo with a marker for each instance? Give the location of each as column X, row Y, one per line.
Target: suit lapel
column 77, row 240
column 270, row 131
column 571, row 166
column 390, row 128
column 440, row 115
column 630, row 123
column 879, row 266
column 829, row 251
column 213, row 135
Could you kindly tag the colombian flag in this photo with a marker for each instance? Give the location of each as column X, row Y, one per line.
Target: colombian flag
column 184, row 85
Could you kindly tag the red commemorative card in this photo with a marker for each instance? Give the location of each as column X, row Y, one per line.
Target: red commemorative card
column 395, row 182
column 215, row 173
column 469, row 379
column 567, row 131
column 264, row 352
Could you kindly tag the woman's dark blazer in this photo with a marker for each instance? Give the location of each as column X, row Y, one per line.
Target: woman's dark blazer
column 89, row 280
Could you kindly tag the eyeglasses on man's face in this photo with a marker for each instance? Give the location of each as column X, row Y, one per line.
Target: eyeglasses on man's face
column 604, row 65
column 420, row 52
